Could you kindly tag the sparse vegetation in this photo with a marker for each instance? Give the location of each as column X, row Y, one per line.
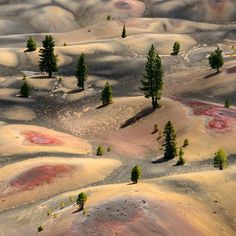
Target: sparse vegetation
column 49, row 212
column 81, row 72
column 169, row 144
column 221, row 159
column 136, row 174
column 124, row 34
column 106, row 95
column 40, row 228
column 186, row 143
column 216, row 60
column 65, row 44
column 48, row 60
column 176, row 48
column 227, row 103
column 155, row 128
column 109, row 149
column 62, row 205
column 25, row 89
column 31, row 44
column 181, row 160
column 100, row 150
column 82, row 198
column 152, row 83
column 108, row 17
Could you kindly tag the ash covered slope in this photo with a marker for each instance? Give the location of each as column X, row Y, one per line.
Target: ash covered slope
column 26, row 16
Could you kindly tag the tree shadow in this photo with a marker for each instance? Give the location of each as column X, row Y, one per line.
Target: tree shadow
column 77, row 211
column 102, row 106
column 131, row 183
column 160, row 160
column 145, row 112
column 73, row 91
column 211, row 75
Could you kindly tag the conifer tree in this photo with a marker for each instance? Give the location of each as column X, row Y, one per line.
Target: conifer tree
column 176, row 48
column 82, row 198
column 181, row 160
column 227, row 103
column 169, row 143
column 124, row 34
column 48, row 60
column 31, row 44
column 25, row 88
column 216, row 60
column 152, row 83
column 81, row 72
column 136, row 174
column 106, row 94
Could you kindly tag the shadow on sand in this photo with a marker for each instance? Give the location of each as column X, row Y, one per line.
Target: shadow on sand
column 145, row 112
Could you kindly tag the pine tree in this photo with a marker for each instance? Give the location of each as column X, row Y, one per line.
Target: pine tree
column 106, row 94
column 124, row 35
column 136, row 174
column 82, row 198
column 176, row 48
column 169, row 143
column 181, row 160
column 31, row 44
column 81, row 72
column 25, row 89
column 48, row 60
column 152, row 83
column 221, row 159
column 227, row 103
column 100, row 150
column 216, row 60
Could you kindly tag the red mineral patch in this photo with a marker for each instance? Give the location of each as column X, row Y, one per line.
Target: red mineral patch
column 220, row 117
column 39, row 176
column 35, row 137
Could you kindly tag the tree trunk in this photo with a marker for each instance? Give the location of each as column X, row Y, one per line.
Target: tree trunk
column 50, row 74
column 218, row 71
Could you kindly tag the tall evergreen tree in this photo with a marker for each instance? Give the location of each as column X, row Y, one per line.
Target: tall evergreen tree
column 152, row 83
column 31, row 44
column 48, row 60
column 25, row 89
column 124, row 34
column 106, row 94
column 216, row 59
column 169, row 144
column 136, row 173
column 81, row 72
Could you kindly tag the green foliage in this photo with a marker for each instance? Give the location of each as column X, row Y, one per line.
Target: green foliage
column 169, row 143
column 106, row 96
column 136, row 174
column 108, row 17
column 186, row 143
column 221, row 159
column 31, row 44
column 49, row 212
column 81, row 71
column 227, row 103
column 109, row 149
column 62, row 205
column 216, row 60
column 181, row 160
column 152, row 83
column 48, row 60
column 25, row 89
column 124, row 34
column 40, row 228
column 82, row 198
column 71, row 199
column 176, row 48
column 100, row 150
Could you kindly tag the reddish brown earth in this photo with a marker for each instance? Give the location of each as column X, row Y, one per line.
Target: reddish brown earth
column 221, row 118
column 131, row 217
column 38, row 176
column 37, row 138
